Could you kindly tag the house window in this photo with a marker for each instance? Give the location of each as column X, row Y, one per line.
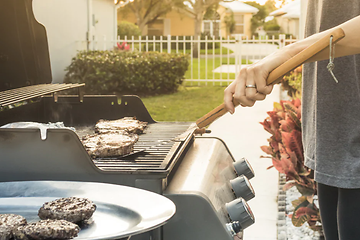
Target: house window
column 156, row 28
column 239, row 24
column 207, row 26
column 211, row 27
column 211, row 24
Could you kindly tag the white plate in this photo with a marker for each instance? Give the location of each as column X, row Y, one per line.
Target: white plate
column 121, row 211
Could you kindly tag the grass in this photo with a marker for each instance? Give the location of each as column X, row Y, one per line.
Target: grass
column 206, row 68
column 191, row 102
column 209, row 51
column 186, row 105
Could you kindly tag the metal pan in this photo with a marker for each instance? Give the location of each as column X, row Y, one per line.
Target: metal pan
column 121, row 211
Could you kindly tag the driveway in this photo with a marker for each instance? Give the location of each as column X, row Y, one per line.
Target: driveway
column 251, row 52
column 254, row 51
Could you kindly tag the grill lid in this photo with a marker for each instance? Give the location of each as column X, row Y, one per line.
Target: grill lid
column 24, row 53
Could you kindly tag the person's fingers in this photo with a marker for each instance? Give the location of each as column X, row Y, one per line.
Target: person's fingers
column 251, row 85
column 228, row 97
column 240, row 84
column 240, row 93
column 260, row 81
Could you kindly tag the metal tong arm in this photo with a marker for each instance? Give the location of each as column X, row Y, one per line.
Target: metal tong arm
column 274, row 76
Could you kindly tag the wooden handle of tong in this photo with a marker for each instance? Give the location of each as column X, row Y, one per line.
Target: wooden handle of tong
column 281, row 70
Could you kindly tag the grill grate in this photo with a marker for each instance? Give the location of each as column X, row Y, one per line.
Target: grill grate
column 162, row 152
column 17, row 95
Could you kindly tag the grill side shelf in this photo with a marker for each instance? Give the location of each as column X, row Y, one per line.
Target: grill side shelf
column 18, row 95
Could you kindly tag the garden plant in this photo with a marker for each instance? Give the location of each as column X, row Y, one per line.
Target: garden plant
column 286, row 152
column 127, row 72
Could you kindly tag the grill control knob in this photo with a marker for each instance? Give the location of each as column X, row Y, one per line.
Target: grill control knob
column 239, row 210
column 233, row 228
column 242, row 188
column 242, row 167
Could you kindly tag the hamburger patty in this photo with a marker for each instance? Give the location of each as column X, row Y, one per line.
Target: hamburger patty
column 128, row 124
column 109, row 144
column 47, row 229
column 72, row 209
column 8, row 223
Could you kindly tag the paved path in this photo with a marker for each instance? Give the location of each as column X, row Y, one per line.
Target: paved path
column 228, row 68
column 258, row 50
column 244, row 135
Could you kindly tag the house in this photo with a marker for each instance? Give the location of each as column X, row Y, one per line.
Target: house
column 70, row 24
column 242, row 15
column 181, row 22
column 288, row 17
column 177, row 22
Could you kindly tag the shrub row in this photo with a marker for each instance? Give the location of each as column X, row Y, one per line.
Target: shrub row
column 124, row 72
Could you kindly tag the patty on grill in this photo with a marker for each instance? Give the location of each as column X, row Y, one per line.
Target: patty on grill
column 72, row 209
column 8, row 223
column 47, row 229
column 128, row 124
column 109, row 144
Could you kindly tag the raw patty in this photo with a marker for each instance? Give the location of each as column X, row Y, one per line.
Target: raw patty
column 129, row 124
column 109, row 144
column 8, row 223
column 72, row 209
column 47, row 229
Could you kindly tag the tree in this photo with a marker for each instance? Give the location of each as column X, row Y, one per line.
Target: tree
column 200, row 7
column 230, row 23
column 284, row 2
column 270, row 6
column 212, row 15
column 258, row 19
column 148, row 11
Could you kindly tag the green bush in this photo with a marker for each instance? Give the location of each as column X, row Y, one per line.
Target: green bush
column 277, row 35
column 124, row 72
column 128, row 29
column 271, row 25
column 292, row 82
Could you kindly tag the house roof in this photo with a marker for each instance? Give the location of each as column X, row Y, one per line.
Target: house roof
column 239, row 7
column 291, row 10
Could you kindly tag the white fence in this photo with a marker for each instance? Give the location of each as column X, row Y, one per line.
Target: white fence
column 217, row 61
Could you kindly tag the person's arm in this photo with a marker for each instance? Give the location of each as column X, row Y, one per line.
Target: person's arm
column 257, row 73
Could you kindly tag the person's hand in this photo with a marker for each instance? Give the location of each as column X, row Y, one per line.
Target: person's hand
column 249, row 86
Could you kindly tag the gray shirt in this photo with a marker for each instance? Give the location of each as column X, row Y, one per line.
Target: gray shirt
column 330, row 110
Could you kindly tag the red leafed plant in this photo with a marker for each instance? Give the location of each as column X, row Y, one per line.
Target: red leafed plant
column 286, row 151
column 123, row 46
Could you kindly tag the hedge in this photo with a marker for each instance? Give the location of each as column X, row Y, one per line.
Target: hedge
column 124, row 72
column 128, row 29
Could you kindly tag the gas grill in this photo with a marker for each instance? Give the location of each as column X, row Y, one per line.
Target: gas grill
column 198, row 173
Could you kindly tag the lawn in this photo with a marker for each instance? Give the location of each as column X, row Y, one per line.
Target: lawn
column 191, row 102
column 186, row 105
column 207, row 67
column 224, row 51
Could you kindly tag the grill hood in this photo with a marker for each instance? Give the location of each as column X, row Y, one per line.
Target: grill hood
column 24, row 53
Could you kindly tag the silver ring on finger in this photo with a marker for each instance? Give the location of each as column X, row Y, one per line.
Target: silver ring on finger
column 250, row 86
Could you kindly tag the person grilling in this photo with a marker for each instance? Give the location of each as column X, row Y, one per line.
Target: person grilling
column 330, row 110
